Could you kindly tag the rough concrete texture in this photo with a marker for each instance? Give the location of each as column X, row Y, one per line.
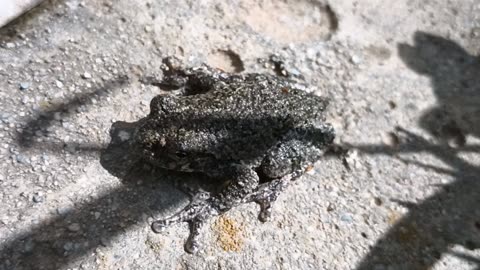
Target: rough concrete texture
column 403, row 77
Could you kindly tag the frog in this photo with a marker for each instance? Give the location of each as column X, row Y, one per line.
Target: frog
column 256, row 133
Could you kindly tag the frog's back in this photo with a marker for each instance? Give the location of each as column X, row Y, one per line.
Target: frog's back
column 243, row 120
column 258, row 96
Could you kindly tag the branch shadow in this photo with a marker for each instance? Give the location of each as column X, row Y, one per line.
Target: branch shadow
column 38, row 125
column 452, row 215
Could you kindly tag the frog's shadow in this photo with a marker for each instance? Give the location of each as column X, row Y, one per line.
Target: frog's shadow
column 144, row 193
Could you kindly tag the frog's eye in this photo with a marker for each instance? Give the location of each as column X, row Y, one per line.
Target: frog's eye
column 180, row 154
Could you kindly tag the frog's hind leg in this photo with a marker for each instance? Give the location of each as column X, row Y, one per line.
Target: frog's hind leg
column 243, row 182
column 194, row 214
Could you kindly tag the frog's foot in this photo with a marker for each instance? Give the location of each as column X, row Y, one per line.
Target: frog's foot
column 193, row 245
column 195, row 214
column 244, row 183
column 187, row 214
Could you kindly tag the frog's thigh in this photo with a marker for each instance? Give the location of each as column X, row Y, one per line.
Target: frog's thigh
column 243, row 181
column 286, row 158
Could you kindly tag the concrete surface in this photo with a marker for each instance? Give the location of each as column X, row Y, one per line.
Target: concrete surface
column 403, row 78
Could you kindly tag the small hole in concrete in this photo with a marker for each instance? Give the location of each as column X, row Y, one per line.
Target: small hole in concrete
column 226, row 60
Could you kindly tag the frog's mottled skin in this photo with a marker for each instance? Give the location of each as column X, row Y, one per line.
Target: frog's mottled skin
column 256, row 132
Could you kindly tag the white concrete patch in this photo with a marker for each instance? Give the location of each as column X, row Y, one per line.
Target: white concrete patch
column 10, row 9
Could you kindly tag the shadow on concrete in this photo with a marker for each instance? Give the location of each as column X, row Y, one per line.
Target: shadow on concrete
column 38, row 125
column 95, row 222
column 451, row 216
column 455, row 79
column 78, row 231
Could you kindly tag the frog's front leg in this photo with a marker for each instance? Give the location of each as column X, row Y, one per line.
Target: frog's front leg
column 284, row 164
column 242, row 182
column 267, row 193
column 193, row 81
column 185, row 82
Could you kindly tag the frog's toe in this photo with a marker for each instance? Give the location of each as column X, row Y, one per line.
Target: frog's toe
column 265, row 215
column 265, row 210
column 192, row 245
column 201, row 196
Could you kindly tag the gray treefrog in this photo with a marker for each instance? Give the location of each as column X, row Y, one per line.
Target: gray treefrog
column 254, row 132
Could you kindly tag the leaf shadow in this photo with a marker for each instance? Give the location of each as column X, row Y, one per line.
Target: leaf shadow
column 451, row 216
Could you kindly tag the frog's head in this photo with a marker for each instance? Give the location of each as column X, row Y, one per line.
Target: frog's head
column 163, row 104
column 176, row 160
column 184, row 161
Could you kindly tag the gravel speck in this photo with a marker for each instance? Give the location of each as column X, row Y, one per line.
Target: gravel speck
column 74, row 227
column 390, row 139
column 25, row 99
column 86, row 75
column 351, row 159
column 24, row 85
column 355, row 59
column 37, row 198
column 346, row 218
column 59, row 84
column 22, row 159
